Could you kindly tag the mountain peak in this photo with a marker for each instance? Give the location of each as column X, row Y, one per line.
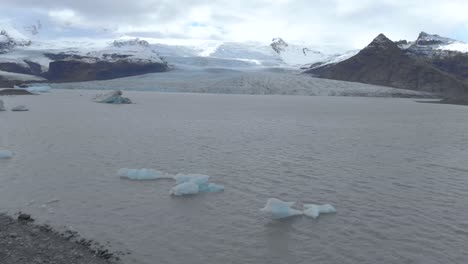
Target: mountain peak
column 381, row 41
column 426, row 39
column 278, row 45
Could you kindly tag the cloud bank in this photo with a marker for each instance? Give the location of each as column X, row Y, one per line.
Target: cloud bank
column 347, row 23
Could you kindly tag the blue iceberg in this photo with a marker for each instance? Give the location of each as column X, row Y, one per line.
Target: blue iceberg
column 142, row 174
column 314, row 210
column 277, row 209
column 185, row 188
column 6, row 154
column 185, row 184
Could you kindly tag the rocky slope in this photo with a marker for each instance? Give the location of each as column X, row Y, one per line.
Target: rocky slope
column 383, row 62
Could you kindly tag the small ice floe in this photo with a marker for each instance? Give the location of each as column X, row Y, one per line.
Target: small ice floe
column 2, row 106
column 314, row 210
column 5, row 154
column 185, row 188
column 113, row 97
column 19, row 108
column 277, row 209
column 34, row 89
column 142, row 174
column 38, row 89
column 189, row 184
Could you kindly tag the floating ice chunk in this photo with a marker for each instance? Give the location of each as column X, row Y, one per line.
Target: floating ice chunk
column 211, row 187
column 19, row 108
column 277, row 209
column 198, row 179
column 113, row 97
column 185, row 188
column 314, row 210
column 142, row 174
column 38, row 89
column 2, row 106
column 6, row 154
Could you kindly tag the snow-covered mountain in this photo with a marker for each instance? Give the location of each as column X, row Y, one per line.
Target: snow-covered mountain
column 296, row 55
column 432, row 44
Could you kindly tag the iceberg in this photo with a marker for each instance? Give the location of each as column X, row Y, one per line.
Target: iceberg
column 185, row 184
column 185, row 188
column 198, row 179
column 211, row 187
column 314, row 210
column 278, row 209
column 142, row 174
column 2, row 106
column 38, row 89
column 5, row 154
column 19, row 108
column 113, row 97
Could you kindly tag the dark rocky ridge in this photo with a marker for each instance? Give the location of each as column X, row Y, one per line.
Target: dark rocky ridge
column 382, row 62
column 80, row 70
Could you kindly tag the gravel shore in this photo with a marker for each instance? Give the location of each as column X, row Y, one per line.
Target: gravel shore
column 22, row 242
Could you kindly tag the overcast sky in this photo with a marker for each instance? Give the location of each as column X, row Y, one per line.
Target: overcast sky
column 348, row 23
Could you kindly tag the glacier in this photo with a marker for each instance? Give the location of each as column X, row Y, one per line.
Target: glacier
column 142, row 174
column 5, row 154
column 314, row 210
column 278, row 209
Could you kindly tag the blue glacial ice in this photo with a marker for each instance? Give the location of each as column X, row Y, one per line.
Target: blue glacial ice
column 112, row 97
column 36, row 89
column 277, row 209
column 185, row 184
column 198, row 179
column 211, row 187
column 142, row 174
column 185, row 188
column 5, row 154
column 314, row 210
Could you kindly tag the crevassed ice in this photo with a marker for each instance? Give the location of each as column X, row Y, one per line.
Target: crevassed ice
column 277, row 209
column 314, row 210
column 142, row 174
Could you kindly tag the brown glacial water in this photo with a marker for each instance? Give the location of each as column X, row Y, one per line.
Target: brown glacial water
column 395, row 170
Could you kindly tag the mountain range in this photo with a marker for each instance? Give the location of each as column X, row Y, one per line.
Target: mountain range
column 431, row 63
